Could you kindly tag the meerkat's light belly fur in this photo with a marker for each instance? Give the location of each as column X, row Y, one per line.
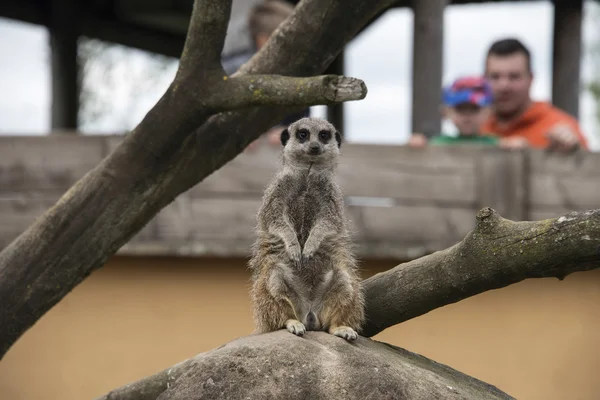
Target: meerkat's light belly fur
column 306, row 300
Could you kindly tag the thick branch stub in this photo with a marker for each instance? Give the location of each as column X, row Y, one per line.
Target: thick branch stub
column 285, row 91
column 487, row 220
column 347, row 88
column 486, row 213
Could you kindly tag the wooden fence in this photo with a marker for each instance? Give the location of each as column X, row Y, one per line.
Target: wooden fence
column 402, row 202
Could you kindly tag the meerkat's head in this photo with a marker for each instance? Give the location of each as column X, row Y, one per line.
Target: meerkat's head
column 311, row 141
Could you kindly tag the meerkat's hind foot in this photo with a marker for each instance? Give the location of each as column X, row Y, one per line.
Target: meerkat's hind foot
column 296, row 327
column 344, row 332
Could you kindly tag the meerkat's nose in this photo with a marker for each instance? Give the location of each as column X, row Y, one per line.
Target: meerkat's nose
column 314, row 148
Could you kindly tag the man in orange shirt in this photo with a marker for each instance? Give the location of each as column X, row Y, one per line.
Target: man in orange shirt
column 519, row 121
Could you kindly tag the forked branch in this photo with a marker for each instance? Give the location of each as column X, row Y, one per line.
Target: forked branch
column 202, row 73
column 158, row 160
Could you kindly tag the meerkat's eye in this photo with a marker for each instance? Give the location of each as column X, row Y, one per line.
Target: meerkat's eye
column 325, row 136
column 302, row 134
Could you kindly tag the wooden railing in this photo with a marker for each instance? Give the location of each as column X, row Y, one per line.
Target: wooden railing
column 402, row 202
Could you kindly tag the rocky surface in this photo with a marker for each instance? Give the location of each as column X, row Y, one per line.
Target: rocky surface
column 280, row 365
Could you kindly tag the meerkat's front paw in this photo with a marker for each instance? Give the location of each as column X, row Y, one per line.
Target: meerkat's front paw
column 296, row 327
column 344, row 332
column 310, row 248
column 294, row 251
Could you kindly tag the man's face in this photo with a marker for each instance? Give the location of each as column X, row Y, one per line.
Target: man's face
column 467, row 117
column 510, row 80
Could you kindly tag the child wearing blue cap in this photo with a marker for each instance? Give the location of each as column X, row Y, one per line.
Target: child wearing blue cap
column 467, row 104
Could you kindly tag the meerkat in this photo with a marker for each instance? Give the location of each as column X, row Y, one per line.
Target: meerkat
column 304, row 273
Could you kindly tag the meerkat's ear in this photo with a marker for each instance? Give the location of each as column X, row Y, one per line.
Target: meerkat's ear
column 285, row 136
column 338, row 139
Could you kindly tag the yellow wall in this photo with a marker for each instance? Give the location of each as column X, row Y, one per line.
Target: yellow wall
column 537, row 340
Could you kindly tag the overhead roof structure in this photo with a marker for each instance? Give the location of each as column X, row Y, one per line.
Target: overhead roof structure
column 158, row 26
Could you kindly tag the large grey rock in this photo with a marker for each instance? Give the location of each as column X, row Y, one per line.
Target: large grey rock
column 280, row 365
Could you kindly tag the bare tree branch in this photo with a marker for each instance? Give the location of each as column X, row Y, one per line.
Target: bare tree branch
column 205, row 38
column 497, row 253
column 276, row 90
column 173, row 148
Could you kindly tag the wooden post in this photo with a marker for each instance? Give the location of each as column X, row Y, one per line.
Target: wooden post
column 566, row 58
column 503, row 182
column 335, row 113
column 64, row 32
column 428, row 52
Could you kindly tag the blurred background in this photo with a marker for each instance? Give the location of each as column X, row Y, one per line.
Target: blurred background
column 120, row 84
column 180, row 286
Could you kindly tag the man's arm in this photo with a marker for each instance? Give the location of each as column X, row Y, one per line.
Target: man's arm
column 513, row 142
column 565, row 137
column 417, row 140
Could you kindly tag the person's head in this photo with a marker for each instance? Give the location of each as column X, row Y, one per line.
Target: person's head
column 265, row 17
column 508, row 69
column 467, row 103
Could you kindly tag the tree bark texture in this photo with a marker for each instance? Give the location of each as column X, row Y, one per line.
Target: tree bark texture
column 176, row 145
